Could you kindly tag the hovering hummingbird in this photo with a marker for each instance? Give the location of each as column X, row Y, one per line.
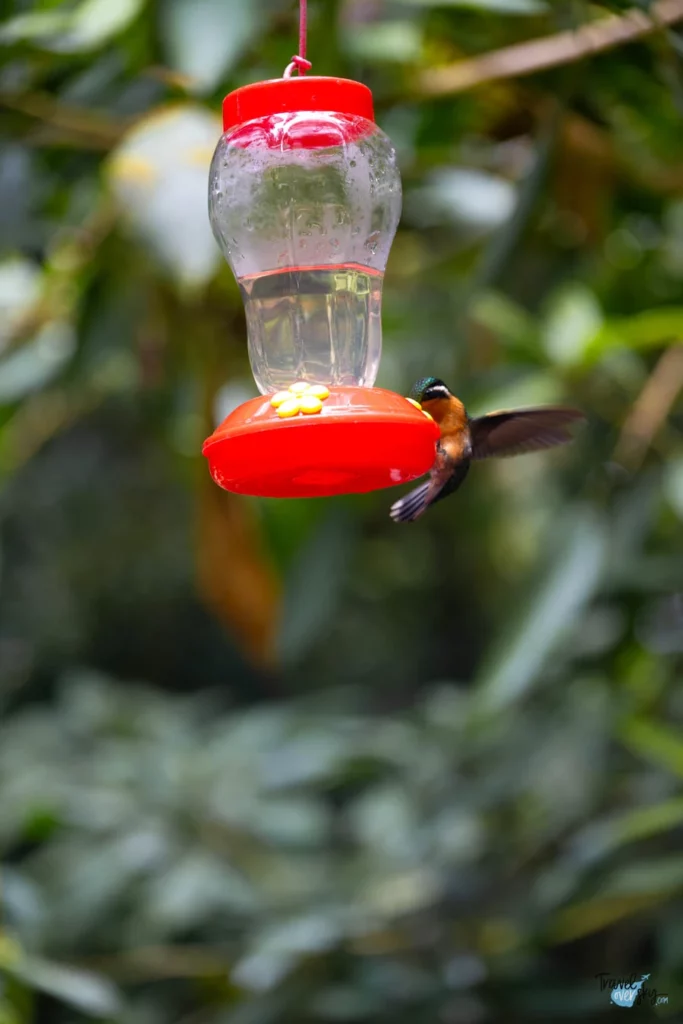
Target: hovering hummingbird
column 464, row 440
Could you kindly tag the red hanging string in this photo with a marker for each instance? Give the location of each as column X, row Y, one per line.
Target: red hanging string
column 299, row 60
column 303, row 27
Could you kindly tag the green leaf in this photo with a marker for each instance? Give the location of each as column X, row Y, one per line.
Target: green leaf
column 649, row 821
column 36, row 363
column 295, row 822
column 159, row 176
column 645, row 878
column 399, row 41
column 205, row 38
column 20, row 287
column 346, row 1004
column 95, row 22
column 504, row 318
column 673, row 485
column 8, row 1014
column 277, row 949
column 385, row 820
column 196, row 886
column 655, row 742
column 34, row 26
column 458, row 836
column 10, row 952
column 495, row 6
column 314, row 585
column 87, row 27
column 599, row 839
column 311, row 756
column 588, row 916
column 570, row 583
column 533, row 389
column 392, row 894
column 571, row 324
column 89, row 993
column 476, row 201
column 652, row 328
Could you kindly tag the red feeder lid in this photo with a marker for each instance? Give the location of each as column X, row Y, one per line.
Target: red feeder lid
column 289, row 95
column 364, row 439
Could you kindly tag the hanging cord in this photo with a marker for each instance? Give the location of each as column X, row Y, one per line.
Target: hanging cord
column 299, row 61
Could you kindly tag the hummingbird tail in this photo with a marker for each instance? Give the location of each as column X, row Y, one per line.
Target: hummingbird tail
column 405, row 510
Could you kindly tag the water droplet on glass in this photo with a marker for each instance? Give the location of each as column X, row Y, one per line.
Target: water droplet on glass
column 372, row 241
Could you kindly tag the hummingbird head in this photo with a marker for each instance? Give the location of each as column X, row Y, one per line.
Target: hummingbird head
column 427, row 388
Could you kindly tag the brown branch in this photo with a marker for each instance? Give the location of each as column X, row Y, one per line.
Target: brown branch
column 551, row 51
column 38, row 420
column 651, row 408
column 158, row 963
column 86, row 127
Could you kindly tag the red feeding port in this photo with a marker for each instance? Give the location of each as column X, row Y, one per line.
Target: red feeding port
column 364, row 439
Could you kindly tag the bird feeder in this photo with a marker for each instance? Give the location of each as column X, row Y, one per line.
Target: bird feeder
column 304, row 200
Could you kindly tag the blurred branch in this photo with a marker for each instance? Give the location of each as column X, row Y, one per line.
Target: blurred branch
column 500, row 251
column 85, row 127
column 589, row 916
column 235, row 578
column 651, row 409
column 670, row 69
column 551, row 51
column 37, row 420
column 156, row 963
column 73, row 254
column 41, row 417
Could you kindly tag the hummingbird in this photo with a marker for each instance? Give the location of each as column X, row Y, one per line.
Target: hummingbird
column 464, row 440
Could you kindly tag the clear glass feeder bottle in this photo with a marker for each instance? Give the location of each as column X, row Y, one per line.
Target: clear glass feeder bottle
column 304, row 201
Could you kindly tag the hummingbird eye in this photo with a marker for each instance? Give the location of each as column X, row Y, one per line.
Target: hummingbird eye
column 436, row 389
column 429, row 387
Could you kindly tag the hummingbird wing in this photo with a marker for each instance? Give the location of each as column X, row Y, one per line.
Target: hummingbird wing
column 444, row 478
column 523, row 430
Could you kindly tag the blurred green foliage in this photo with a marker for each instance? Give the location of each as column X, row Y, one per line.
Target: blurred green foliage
column 286, row 761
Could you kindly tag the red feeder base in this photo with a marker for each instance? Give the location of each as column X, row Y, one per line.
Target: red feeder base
column 362, row 440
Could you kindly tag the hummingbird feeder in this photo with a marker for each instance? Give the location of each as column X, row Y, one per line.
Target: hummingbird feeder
column 304, row 200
